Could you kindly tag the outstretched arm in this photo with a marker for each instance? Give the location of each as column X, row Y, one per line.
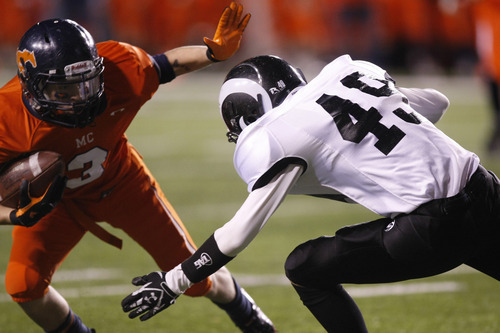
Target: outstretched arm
column 215, row 252
column 224, row 44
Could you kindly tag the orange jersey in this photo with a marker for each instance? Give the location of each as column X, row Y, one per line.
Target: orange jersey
column 96, row 155
column 107, row 179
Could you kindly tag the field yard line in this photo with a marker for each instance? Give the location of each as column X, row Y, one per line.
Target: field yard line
column 94, row 274
column 87, row 274
column 77, row 292
column 354, row 291
column 246, row 280
column 405, row 289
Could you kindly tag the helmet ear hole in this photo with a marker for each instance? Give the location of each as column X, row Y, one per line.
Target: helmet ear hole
column 243, row 108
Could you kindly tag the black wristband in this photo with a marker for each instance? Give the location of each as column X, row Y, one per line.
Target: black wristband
column 164, row 68
column 205, row 261
column 211, row 56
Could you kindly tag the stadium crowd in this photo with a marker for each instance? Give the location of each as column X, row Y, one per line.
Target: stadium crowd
column 390, row 32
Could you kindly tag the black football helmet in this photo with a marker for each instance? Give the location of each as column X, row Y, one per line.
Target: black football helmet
column 61, row 74
column 253, row 87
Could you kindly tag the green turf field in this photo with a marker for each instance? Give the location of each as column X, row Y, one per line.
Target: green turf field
column 181, row 136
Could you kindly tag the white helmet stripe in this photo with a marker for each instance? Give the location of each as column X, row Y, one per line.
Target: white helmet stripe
column 245, row 86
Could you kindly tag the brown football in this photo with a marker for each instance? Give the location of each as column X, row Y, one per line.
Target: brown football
column 39, row 168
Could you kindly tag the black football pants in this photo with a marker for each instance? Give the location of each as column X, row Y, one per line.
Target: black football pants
column 438, row 236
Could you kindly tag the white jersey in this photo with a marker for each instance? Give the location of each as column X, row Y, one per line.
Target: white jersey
column 359, row 138
column 348, row 133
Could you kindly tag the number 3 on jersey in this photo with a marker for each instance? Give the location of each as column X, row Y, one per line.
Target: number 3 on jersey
column 367, row 121
column 90, row 163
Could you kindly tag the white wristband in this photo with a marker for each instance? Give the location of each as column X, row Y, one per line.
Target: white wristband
column 177, row 281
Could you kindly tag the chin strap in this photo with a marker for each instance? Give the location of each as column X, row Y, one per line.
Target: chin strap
column 232, row 137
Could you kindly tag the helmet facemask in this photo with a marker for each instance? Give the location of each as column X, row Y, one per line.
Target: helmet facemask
column 70, row 99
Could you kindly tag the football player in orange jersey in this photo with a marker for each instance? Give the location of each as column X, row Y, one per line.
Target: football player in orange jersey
column 77, row 98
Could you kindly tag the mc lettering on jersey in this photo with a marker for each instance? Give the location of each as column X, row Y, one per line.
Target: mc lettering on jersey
column 85, row 140
column 23, row 57
column 205, row 260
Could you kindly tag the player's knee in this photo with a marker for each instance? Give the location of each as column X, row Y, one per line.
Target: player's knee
column 297, row 264
column 23, row 283
column 312, row 263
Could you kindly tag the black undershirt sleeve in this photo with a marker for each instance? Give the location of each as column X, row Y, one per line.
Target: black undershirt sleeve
column 205, row 261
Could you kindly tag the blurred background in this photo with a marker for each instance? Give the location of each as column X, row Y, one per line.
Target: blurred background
column 410, row 35
column 452, row 38
column 450, row 45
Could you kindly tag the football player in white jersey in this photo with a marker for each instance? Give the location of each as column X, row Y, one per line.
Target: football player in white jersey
column 350, row 134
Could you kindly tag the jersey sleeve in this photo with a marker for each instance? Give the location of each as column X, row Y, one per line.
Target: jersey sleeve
column 128, row 69
column 430, row 103
column 251, row 163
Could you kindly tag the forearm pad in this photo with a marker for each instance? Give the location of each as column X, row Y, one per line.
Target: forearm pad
column 205, row 261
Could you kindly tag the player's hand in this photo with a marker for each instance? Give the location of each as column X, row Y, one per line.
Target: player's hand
column 31, row 210
column 228, row 35
column 154, row 296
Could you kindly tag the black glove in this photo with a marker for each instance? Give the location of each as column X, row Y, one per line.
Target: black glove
column 31, row 210
column 154, row 296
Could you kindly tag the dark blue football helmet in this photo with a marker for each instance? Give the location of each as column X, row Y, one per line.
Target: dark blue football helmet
column 253, row 87
column 61, row 73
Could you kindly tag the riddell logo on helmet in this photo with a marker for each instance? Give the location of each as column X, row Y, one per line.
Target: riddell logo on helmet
column 79, row 67
column 24, row 57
